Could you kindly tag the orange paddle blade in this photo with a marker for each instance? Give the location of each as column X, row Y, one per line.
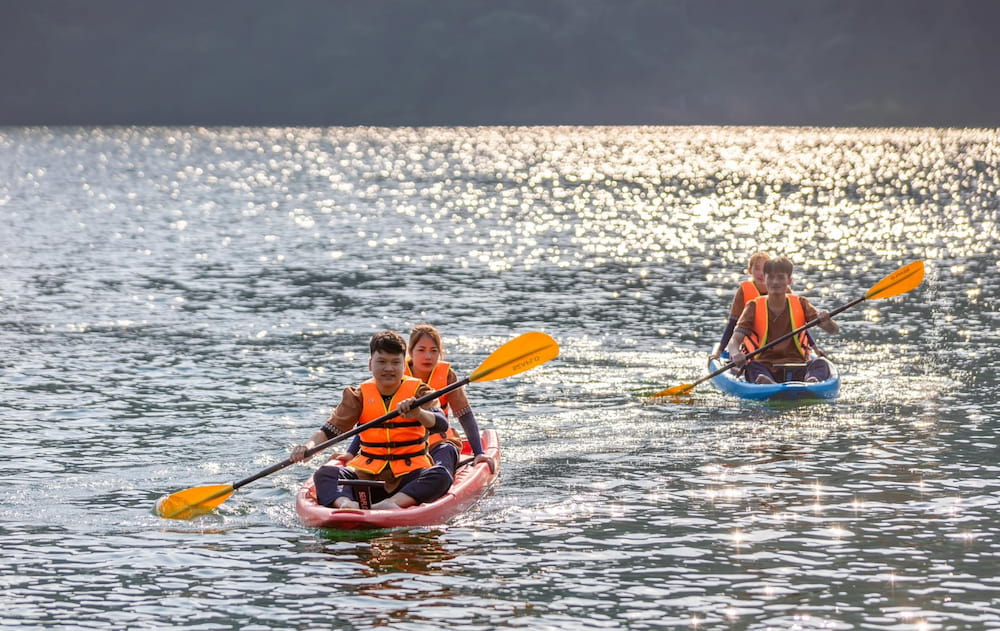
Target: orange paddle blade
column 899, row 282
column 521, row 354
column 675, row 391
column 193, row 502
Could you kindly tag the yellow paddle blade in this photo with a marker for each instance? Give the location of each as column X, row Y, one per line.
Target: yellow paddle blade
column 193, row 502
column 675, row 391
column 521, row 354
column 899, row 282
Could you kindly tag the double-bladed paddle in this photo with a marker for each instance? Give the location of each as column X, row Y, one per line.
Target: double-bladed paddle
column 899, row 282
column 516, row 356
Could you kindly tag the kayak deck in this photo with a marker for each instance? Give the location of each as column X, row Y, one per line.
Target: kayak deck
column 729, row 383
column 471, row 482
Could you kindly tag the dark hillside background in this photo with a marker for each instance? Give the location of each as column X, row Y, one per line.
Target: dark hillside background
column 469, row 62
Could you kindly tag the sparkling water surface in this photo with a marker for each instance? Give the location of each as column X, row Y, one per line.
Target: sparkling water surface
column 180, row 306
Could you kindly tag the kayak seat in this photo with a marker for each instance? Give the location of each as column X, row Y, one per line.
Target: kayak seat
column 789, row 372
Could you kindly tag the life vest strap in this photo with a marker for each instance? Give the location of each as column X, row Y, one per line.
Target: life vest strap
column 399, row 424
column 372, row 457
column 394, row 444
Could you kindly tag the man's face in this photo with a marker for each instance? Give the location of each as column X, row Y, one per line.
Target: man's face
column 777, row 282
column 387, row 369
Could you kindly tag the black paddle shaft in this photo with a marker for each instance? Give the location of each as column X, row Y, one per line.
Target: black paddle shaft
column 350, row 433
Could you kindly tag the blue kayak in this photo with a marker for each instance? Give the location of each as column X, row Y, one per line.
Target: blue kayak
column 729, row 383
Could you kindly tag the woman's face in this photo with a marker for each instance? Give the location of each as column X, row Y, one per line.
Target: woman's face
column 425, row 355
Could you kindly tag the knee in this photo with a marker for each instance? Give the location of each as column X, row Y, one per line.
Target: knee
column 438, row 476
column 327, row 480
column 445, row 455
column 820, row 368
column 441, row 472
column 820, row 363
column 327, row 472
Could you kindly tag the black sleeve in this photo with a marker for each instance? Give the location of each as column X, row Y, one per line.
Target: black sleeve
column 727, row 334
column 440, row 422
column 471, row 427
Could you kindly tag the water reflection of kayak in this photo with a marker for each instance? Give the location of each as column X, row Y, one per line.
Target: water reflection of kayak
column 730, row 383
column 471, row 482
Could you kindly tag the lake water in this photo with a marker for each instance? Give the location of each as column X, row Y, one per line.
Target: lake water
column 180, row 306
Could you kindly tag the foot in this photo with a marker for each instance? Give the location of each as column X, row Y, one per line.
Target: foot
column 811, row 379
column 764, row 379
column 397, row 501
column 344, row 502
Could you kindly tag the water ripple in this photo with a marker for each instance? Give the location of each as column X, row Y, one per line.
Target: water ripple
column 181, row 305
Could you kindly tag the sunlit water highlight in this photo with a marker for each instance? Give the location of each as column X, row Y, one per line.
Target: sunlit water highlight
column 179, row 306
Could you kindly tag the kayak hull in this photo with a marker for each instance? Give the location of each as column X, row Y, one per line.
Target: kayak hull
column 471, row 482
column 728, row 383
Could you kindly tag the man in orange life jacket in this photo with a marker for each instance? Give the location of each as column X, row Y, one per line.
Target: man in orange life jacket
column 394, row 452
column 425, row 362
column 772, row 316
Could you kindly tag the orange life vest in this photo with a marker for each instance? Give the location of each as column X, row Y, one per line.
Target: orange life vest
column 760, row 317
column 400, row 443
column 438, row 381
column 749, row 291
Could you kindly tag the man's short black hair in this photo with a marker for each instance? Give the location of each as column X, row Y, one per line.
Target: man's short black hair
column 387, row 342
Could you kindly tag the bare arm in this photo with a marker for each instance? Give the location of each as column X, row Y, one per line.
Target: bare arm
column 739, row 358
column 344, row 417
column 743, row 326
column 299, row 451
column 457, row 400
column 827, row 323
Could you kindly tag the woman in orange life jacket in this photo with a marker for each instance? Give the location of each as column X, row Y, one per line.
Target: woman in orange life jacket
column 747, row 291
column 394, row 452
column 426, row 363
column 772, row 316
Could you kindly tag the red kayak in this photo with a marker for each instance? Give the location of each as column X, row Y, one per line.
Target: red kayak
column 471, row 482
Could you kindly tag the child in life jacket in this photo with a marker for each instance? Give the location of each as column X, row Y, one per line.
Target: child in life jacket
column 747, row 291
column 772, row 316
